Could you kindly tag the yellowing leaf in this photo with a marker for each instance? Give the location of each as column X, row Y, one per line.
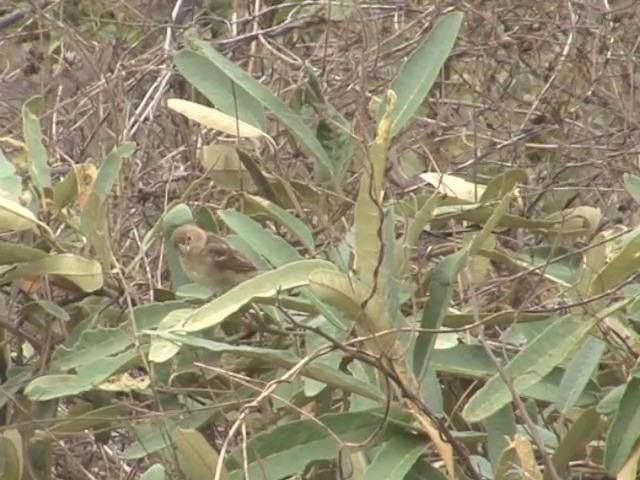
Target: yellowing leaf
column 453, row 186
column 86, row 174
column 212, row 118
column 14, row 217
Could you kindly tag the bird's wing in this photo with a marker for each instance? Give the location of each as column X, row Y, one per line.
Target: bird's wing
column 226, row 257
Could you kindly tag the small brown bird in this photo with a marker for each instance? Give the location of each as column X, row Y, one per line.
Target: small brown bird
column 209, row 261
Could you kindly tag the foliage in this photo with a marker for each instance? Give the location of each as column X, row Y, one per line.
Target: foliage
column 361, row 347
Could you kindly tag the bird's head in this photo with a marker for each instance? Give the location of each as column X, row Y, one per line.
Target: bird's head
column 187, row 237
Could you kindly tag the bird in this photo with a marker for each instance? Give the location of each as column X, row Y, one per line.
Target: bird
column 209, row 260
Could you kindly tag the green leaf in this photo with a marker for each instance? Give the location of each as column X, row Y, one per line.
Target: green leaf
column 92, row 419
column 289, row 448
column 255, row 89
column 39, row 169
column 266, row 284
column 94, row 225
column 273, row 248
column 624, row 432
column 11, row 253
column 503, row 184
column 500, row 427
column 12, row 455
column 624, row 264
column 584, row 430
column 158, row 436
column 66, row 190
column 419, row 73
column 632, row 183
column 14, row 217
column 293, row 224
column 10, row 183
column 335, row 134
column 440, row 293
column 215, row 84
column 578, row 373
column 105, row 342
column 85, row 273
column 529, row 366
column 348, row 295
column 395, row 458
column 110, row 168
column 280, row 358
column 154, row 472
column 198, row 459
column 369, row 210
column 88, row 377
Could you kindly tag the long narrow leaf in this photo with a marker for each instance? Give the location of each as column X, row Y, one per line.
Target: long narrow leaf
column 419, row 73
column 262, row 94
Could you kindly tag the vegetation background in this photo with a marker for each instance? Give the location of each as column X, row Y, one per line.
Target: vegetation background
column 508, row 220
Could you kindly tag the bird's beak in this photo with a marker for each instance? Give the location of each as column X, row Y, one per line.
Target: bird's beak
column 182, row 248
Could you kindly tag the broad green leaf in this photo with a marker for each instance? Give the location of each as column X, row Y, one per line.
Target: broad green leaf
column 395, row 458
column 83, row 272
column 158, row 436
column 263, row 95
column 422, row 219
column 573, row 222
column 89, row 377
column 419, row 73
column 440, row 293
column 66, row 190
column 624, row 431
column 92, row 419
column 558, row 264
column 273, row 248
column 293, row 224
column 14, row 217
column 105, row 342
column 12, row 455
column 199, row 460
column 288, row 448
column 481, row 238
column 10, row 183
column 348, row 295
column 624, row 264
column 369, row 209
column 503, row 184
column 593, row 261
column 578, row 373
column 216, row 85
column 336, row 137
column 280, row 358
column 110, row 168
column 632, row 183
column 11, row 253
column 500, row 427
column 588, row 426
column 39, row 169
column 266, row 284
column 94, row 225
column 518, row 461
column 529, row 366
column 313, row 341
column 154, row 472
